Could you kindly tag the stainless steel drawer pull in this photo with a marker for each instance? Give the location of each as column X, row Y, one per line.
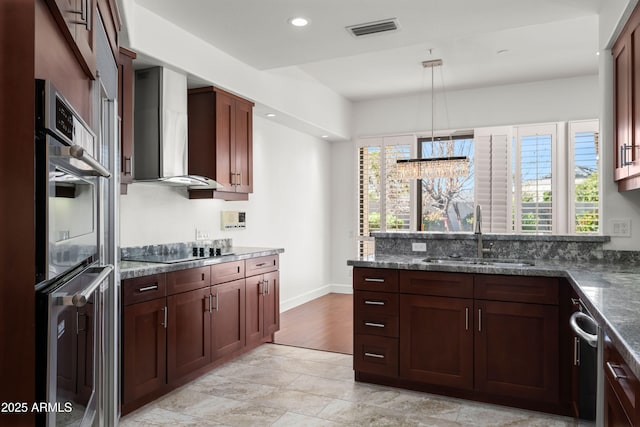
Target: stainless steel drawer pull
column 466, row 318
column 479, row 320
column 612, row 369
column 369, row 302
column 262, row 264
column 377, row 356
column 374, row 324
column 373, row 279
column 165, row 312
column 148, row 288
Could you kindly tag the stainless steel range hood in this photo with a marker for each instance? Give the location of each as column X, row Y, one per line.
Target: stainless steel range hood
column 160, row 130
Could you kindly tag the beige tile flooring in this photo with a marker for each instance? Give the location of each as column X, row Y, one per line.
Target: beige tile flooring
column 276, row 385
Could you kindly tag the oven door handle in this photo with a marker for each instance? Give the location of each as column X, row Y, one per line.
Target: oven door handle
column 77, row 152
column 80, row 299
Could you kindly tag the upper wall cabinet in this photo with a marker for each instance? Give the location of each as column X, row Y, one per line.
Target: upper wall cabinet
column 77, row 18
column 125, row 111
column 626, row 105
column 221, row 142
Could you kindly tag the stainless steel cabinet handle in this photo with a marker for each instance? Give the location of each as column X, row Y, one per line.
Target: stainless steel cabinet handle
column 216, row 301
column 268, row 287
column 165, row 312
column 374, row 324
column 576, row 351
column 373, row 279
column 612, row 370
column 479, row 320
column 210, row 303
column 127, row 165
column 262, row 264
column 369, row 302
column 466, row 318
column 377, row 356
column 148, row 288
column 240, row 177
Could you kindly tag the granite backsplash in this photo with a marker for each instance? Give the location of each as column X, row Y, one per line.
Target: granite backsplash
column 503, row 246
column 182, row 248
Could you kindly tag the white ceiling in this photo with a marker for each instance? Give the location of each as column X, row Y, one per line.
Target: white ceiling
column 544, row 39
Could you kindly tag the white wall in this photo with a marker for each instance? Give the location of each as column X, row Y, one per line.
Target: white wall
column 290, row 208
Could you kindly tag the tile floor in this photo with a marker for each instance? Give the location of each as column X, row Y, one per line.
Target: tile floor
column 276, row 385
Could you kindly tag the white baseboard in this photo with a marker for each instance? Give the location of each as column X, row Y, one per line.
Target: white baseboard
column 311, row 295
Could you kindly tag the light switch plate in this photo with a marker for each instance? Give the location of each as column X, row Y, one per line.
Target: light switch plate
column 621, row 227
column 418, row 247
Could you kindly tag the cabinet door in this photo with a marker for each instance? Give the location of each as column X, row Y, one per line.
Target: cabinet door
column 77, row 18
column 225, row 129
column 633, row 154
column 255, row 309
column 436, row 340
column 125, row 111
column 144, row 347
column 622, row 105
column 228, row 318
column 271, row 303
column 243, row 146
column 188, row 332
column 614, row 413
column 516, row 350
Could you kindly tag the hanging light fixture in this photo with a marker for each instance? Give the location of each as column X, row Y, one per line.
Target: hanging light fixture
column 433, row 167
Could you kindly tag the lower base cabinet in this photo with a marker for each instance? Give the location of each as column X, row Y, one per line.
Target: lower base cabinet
column 203, row 322
column 621, row 390
column 487, row 337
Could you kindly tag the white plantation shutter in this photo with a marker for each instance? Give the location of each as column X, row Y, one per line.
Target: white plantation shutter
column 584, row 194
column 384, row 201
column 535, row 183
column 493, row 179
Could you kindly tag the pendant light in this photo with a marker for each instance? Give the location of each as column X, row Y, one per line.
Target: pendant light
column 433, row 167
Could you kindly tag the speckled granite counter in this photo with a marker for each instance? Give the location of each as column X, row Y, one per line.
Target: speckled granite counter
column 611, row 291
column 130, row 269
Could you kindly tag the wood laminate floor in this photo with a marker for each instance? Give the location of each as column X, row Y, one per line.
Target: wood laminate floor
column 325, row 323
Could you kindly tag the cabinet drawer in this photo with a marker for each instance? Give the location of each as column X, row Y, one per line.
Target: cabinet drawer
column 143, row 288
column 261, row 265
column 375, row 355
column 623, row 384
column 375, row 302
column 538, row 290
column 188, row 280
column 437, row 284
column 227, row 272
column 385, row 325
column 375, row 279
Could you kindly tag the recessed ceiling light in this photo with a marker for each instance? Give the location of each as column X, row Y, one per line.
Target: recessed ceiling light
column 598, row 53
column 299, row 21
column 325, row 136
column 270, row 115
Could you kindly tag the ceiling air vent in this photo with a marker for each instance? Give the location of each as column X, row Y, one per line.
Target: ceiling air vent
column 373, row 27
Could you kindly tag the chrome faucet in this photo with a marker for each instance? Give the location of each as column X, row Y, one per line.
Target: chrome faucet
column 478, row 232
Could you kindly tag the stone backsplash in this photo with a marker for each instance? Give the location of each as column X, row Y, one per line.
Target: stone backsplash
column 182, row 248
column 503, row 246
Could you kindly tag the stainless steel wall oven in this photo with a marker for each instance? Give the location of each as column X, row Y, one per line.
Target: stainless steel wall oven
column 69, row 280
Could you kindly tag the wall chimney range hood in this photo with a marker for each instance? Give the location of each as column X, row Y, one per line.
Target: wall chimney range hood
column 160, row 131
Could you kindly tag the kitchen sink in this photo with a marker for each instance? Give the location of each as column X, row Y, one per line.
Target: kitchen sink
column 505, row 263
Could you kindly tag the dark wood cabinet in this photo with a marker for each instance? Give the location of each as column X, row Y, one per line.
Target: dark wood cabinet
column 436, row 340
column 621, row 389
column 516, row 350
column 188, row 332
column 144, row 350
column 228, row 318
column 490, row 337
column 125, row 111
column 221, row 142
column 262, row 300
column 178, row 325
column 77, row 20
column 626, row 111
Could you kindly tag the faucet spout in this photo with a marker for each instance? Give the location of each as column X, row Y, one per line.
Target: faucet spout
column 478, row 231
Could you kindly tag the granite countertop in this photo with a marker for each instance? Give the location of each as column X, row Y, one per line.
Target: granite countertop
column 611, row 292
column 131, row 269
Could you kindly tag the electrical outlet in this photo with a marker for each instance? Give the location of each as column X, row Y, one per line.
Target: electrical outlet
column 621, row 227
column 418, row 247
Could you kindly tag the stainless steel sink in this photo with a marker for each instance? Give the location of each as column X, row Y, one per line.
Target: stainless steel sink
column 505, row 263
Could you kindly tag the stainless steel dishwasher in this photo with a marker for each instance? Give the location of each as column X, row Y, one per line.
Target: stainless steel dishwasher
column 588, row 357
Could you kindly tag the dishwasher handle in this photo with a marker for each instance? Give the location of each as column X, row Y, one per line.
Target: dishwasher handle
column 579, row 317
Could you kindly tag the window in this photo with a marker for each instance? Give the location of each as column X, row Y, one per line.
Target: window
column 538, row 179
column 385, row 202
column 447, row 204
